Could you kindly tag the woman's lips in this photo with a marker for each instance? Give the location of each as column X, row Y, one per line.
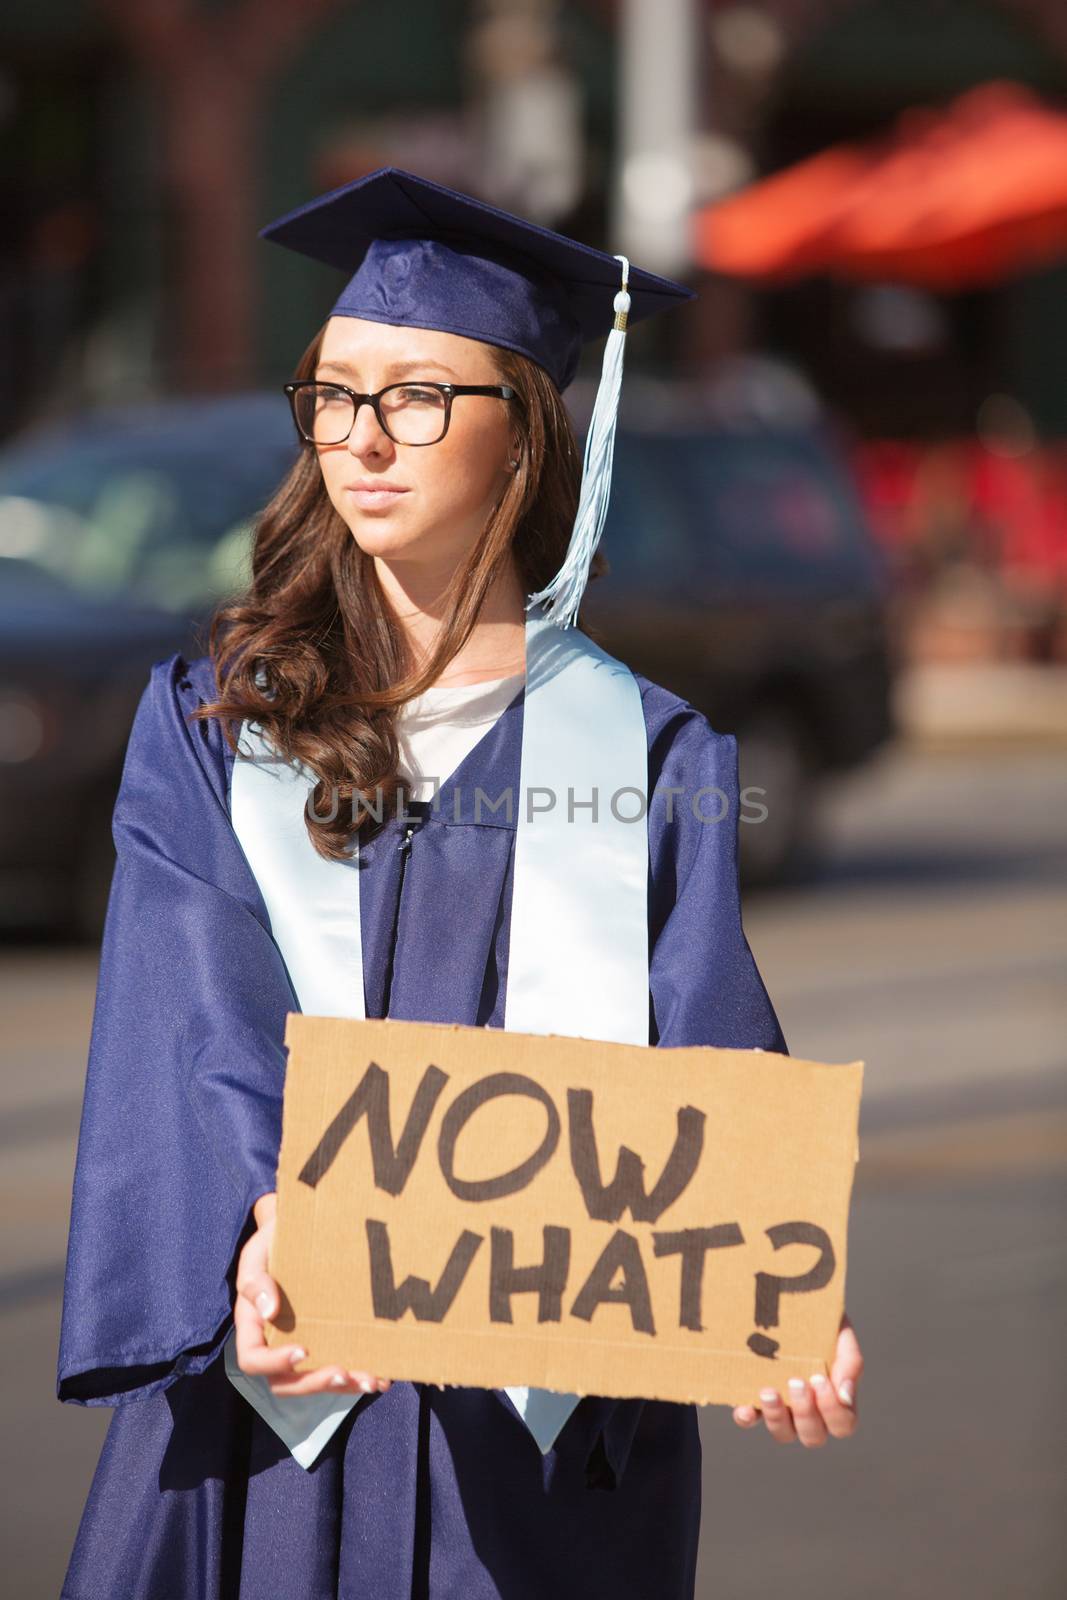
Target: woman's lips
column 375, row 499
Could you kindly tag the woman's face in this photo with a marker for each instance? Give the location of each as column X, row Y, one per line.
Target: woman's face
column 428, row 504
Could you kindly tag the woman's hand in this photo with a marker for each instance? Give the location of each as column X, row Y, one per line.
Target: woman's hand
column 257, row 1302
column 817, row 1409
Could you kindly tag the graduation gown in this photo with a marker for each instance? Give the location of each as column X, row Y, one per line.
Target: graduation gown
column 421, row 1492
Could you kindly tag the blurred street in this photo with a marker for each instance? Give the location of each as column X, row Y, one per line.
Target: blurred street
column 933, row 947
column 936, row 950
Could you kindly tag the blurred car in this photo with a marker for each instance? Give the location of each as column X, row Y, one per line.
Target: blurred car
column 118, row 532
column 743, row 577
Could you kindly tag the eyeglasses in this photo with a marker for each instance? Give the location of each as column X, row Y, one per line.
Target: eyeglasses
column 410, row 413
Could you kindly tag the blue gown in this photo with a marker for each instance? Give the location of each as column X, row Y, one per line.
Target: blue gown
column 422, row 1493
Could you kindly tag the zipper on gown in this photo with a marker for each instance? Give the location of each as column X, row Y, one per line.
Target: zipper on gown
column 421, row 808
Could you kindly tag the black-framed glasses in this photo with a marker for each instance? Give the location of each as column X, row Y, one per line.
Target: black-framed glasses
column 410, row 413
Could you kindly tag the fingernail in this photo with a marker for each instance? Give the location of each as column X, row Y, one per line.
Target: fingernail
column 338, row 1381
column 746, row 1413
column 817, row 1380
column 846, row 1392
column 296, row 1354
column 797, row 1387
column 366, row 1385
column 769, row 1396
column 264, row 1302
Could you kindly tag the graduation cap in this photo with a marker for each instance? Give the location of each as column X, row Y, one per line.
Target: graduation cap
column 422, row 255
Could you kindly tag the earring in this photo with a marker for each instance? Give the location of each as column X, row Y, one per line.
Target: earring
column 514, row 464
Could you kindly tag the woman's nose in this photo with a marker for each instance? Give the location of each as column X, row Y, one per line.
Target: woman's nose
column 368, row 435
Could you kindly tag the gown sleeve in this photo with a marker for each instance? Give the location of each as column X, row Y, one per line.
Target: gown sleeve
column 704, row 984
column 181, row 1116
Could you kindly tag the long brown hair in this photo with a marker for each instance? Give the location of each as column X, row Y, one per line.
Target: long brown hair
column 313, row 653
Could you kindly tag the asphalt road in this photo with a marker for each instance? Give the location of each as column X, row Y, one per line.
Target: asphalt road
column 933, row 947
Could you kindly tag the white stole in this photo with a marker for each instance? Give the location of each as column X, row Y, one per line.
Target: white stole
column 578, row 948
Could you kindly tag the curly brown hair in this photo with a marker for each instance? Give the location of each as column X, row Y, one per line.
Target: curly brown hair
column 312, row 653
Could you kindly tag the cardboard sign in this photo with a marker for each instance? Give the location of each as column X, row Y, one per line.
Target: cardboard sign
column 462, row 1205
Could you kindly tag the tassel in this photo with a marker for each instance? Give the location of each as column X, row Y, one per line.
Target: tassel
column 564, row 593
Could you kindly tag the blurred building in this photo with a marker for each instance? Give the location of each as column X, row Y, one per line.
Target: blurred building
column 791, row 77
column 141, row 147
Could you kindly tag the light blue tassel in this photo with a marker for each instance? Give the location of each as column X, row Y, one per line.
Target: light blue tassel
column 564, row 593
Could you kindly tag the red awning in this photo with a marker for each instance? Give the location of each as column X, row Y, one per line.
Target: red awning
column 949, row 198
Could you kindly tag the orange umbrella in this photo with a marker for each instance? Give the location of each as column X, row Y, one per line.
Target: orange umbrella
column 948, row 199
column 775, row 228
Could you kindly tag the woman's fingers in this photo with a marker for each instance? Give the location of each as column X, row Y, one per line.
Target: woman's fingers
column 848, row 1363
column 776, row 1416
column 259, row 1295
column 807, row 1418
column 323, row 1380
column 261, row 1291
column 793, row 1416
column 844, row 1379
column 840, row 1418
column 810, row 1412
column 746, row 1416
column 276, row 1364
column 255, row 1286
column 817, row 1410
column 257, row 1302
column 254, row 1355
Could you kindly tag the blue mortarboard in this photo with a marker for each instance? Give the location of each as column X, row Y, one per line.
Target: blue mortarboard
column 425, row 256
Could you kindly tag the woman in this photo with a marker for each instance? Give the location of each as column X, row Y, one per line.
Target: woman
column 437, row 490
